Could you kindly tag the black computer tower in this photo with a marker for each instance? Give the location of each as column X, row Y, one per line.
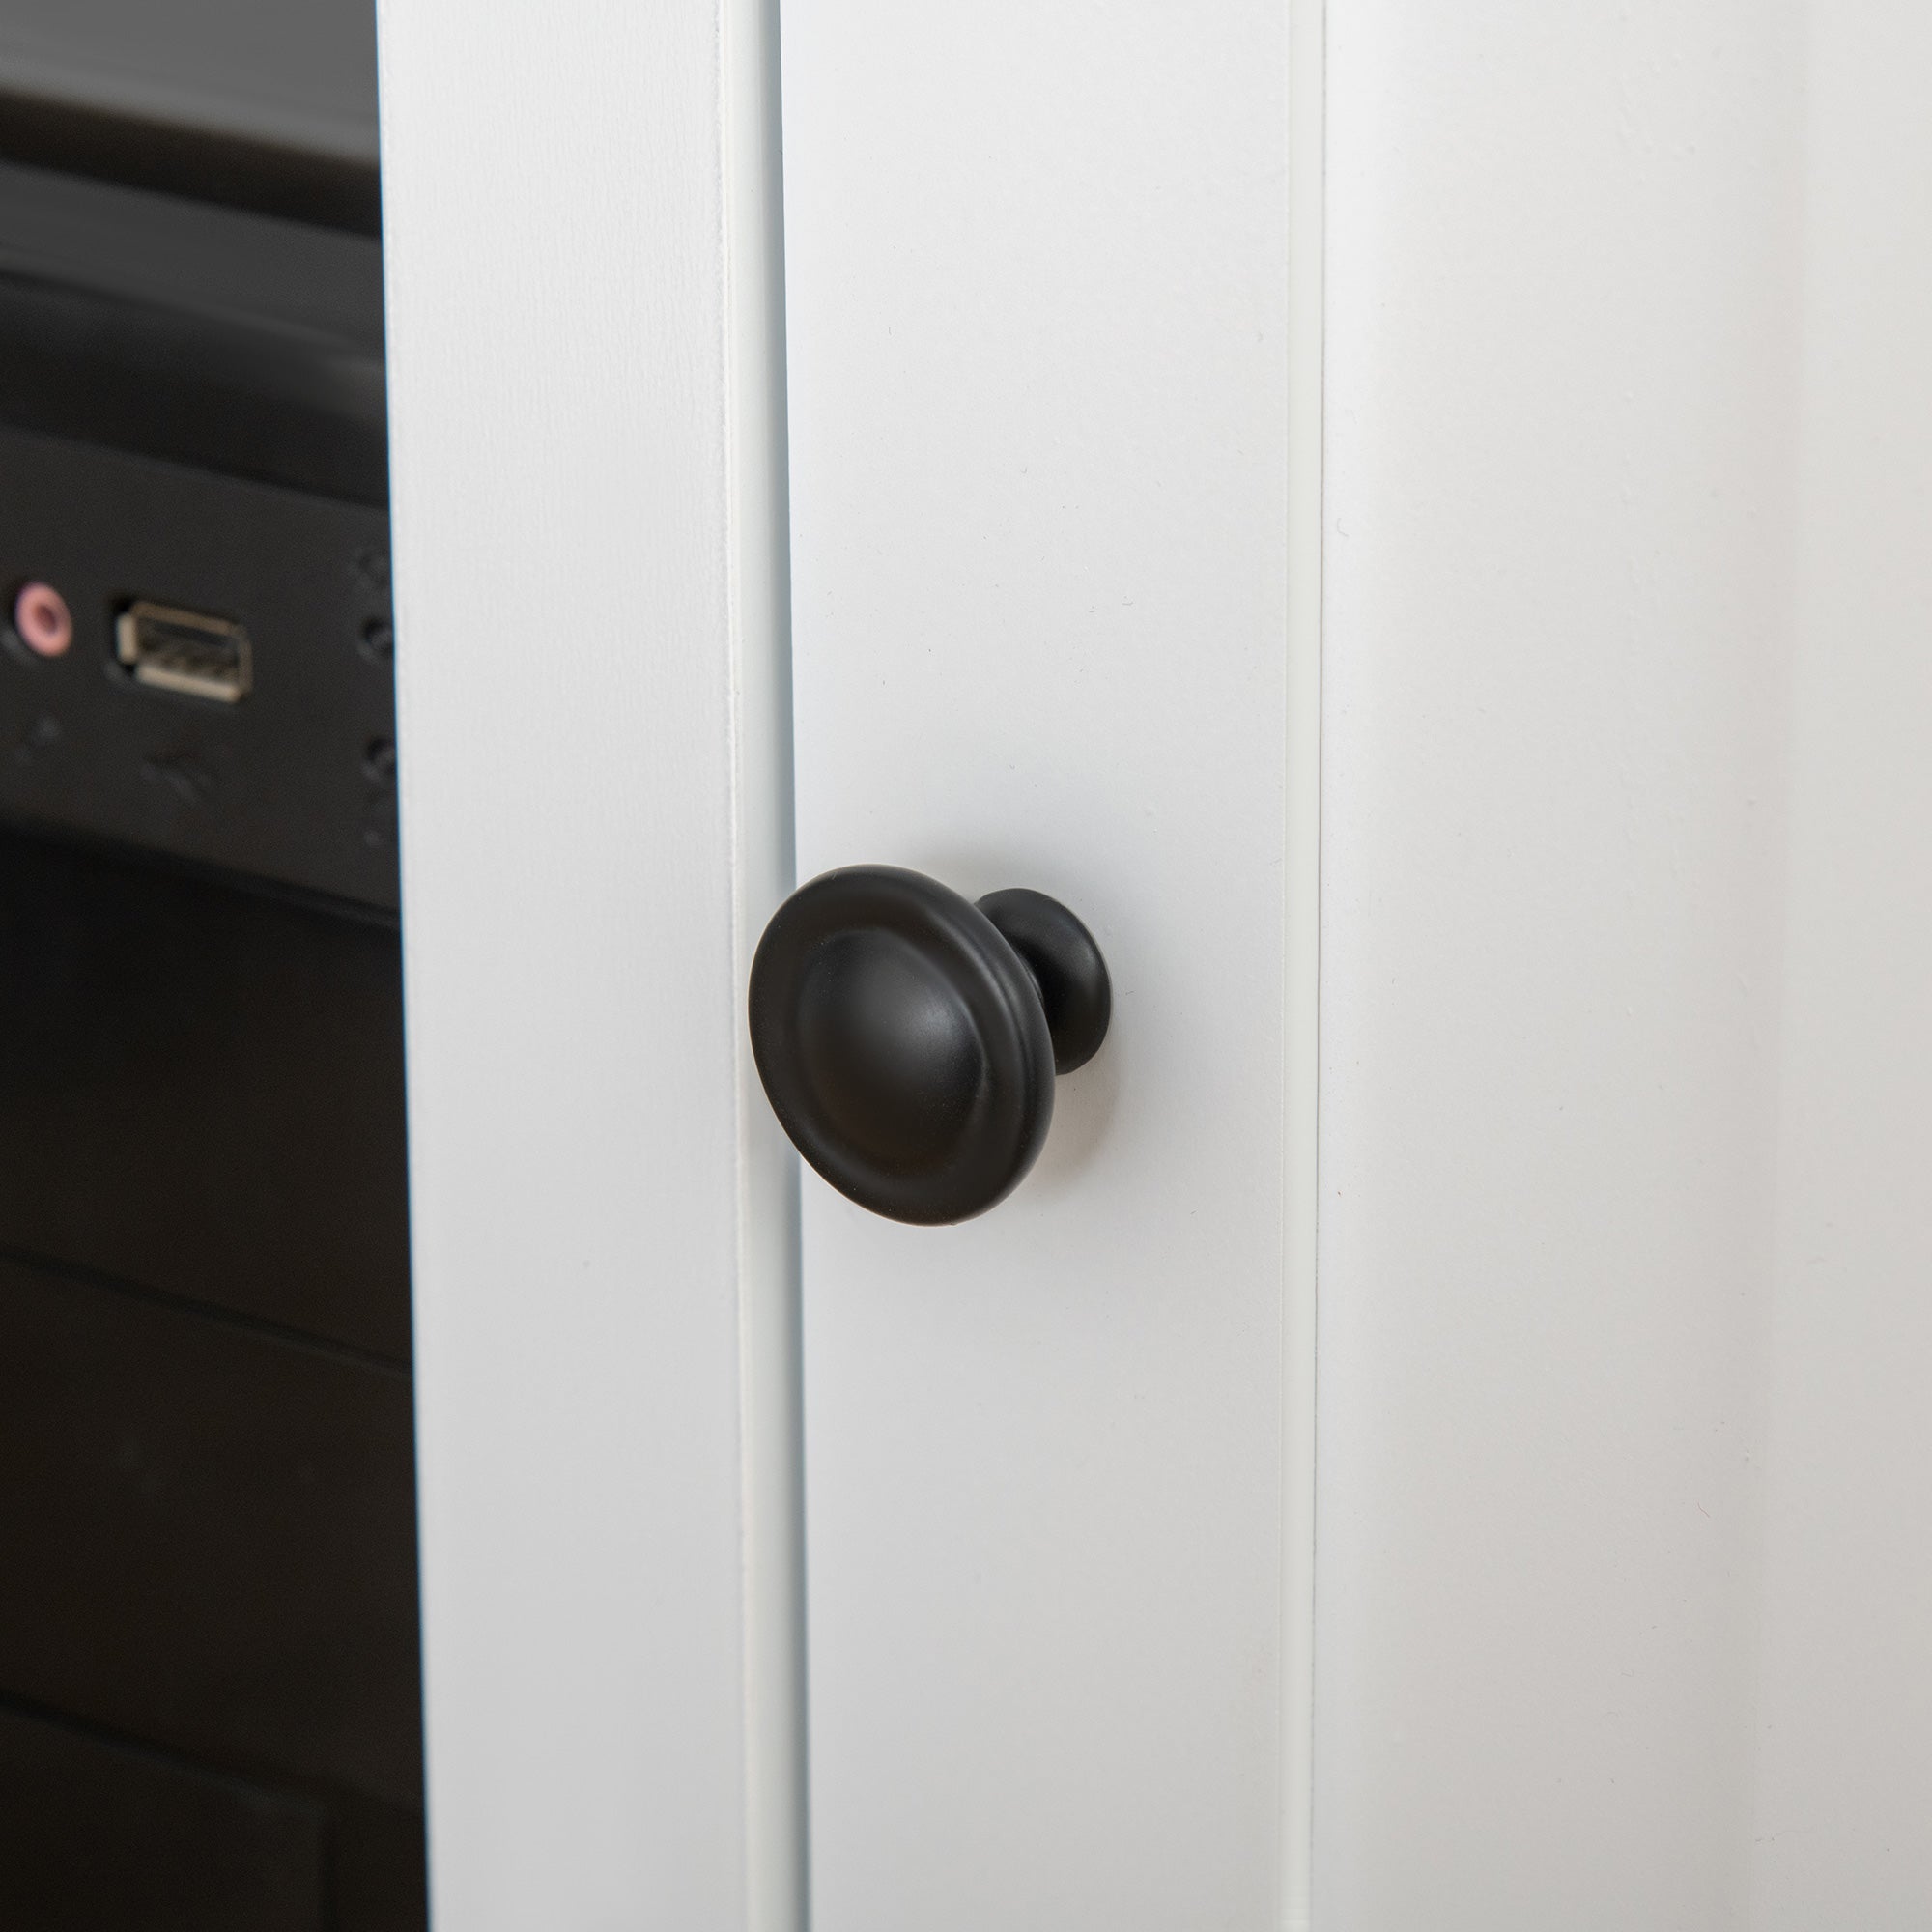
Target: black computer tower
column 210, row 1706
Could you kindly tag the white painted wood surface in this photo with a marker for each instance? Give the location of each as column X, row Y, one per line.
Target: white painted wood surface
column 1625, row 1452
column 580, row 218
column 1039, row 364
column 1624, row 1041
column 1843, row 1785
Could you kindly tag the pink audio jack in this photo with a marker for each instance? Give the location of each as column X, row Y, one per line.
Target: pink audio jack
column 42, row 621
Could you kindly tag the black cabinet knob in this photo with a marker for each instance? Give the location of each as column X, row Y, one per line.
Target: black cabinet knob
column 909, row 1038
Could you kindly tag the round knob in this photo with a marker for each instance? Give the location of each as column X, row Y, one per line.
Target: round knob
column 908, row 1038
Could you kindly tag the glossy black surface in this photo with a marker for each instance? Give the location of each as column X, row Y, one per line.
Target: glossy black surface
column 221, row 1524
column 97, row 1833
column 210, row 1709
column 101, row 1832
column 285, row 785
column 201, row 1090
column 207, row 165
column 208, row 1611
column 229, row 342
column 904, row 1039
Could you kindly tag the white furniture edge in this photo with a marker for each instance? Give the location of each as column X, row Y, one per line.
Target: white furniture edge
column 587, row 401
column 1307, row 69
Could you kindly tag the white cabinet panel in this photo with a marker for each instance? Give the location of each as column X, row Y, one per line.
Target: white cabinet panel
column 1038, row 321
column 1844, row 1716
column 1623, row 1577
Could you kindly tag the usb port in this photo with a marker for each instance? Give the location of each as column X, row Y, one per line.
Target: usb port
column 183, row 651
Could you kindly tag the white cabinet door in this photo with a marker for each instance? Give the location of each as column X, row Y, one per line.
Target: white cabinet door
column 1054, row 447
column 1039, row 353
column 782, row 1562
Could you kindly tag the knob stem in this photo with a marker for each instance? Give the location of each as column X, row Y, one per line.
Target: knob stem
column 1067, row 968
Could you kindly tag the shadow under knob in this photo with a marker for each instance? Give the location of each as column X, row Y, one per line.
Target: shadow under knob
column 908, row 1038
